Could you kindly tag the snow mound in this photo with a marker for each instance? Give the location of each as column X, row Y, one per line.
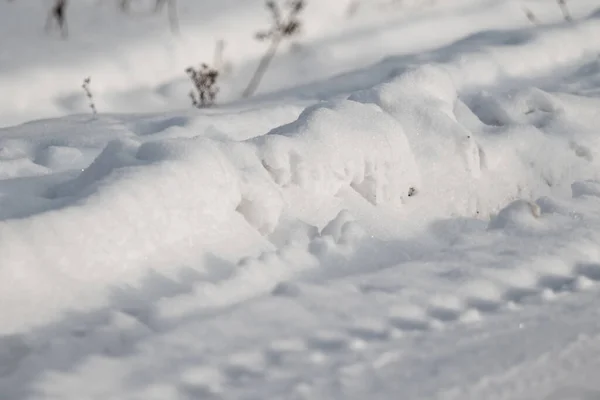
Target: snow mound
column 136, row 199
column 411, row 145
column 59, row 157
column 518, row 214
column 342, row 144
column 119, row 214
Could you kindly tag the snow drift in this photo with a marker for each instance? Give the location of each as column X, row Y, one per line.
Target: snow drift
column 310, row 243
column 410, row 145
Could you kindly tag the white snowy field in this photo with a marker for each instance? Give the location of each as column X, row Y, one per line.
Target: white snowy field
column 409, row 207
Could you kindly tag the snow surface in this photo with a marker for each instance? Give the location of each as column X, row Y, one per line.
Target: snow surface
column 409, row 208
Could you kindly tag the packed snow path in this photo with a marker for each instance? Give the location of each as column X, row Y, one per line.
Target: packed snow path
column 429, row 231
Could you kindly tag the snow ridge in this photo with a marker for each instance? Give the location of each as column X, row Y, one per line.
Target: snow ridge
column 411, row 135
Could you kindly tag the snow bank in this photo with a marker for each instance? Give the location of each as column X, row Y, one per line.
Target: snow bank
column 138, row 199
column 411, row 146
column 414, row 146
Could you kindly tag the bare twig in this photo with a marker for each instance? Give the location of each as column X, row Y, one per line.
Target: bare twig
column 88, row 93
column 58, row 14
column 565, row 10
column 282, row 28
column 205, row 85
column 531, row 16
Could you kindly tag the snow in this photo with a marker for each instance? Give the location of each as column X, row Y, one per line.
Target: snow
column 408, row 207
